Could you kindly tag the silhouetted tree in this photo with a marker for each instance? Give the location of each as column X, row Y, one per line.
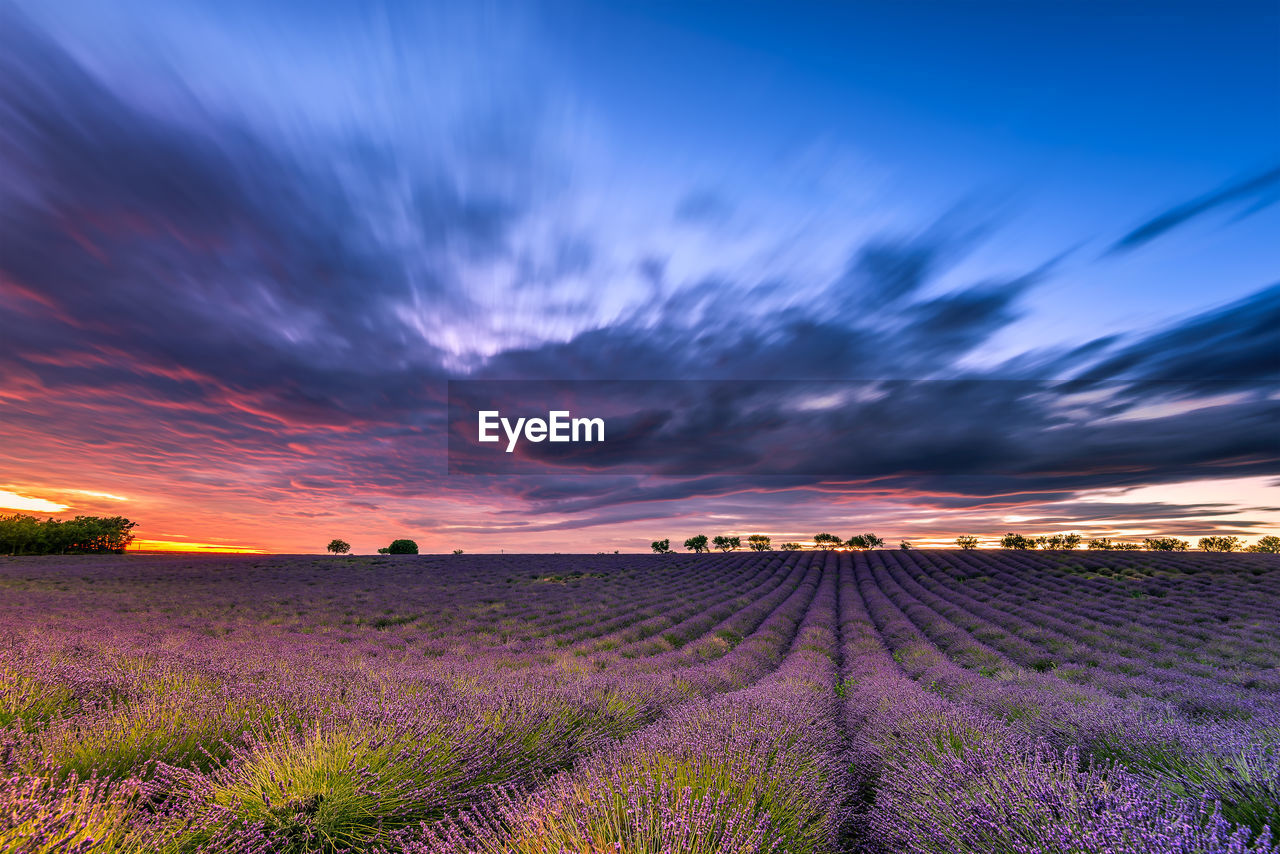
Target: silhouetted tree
column 662, row 547
column 904, row 545
column 1266, row 545
column 1110, row 545
column 790, row 547
column 726, row 543
column 1220, row 544
column 827, row 541
column 968, row 542
column 1059, row 542
column 23, row 534
column 338, row 547
column 697, row 544
column 1165, row 544
column 1017, row 541
column 402, row 547
column 759, row 543
column 457, row 551
column 864, row 541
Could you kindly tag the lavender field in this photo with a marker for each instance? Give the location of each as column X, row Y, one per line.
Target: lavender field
column 923, row 701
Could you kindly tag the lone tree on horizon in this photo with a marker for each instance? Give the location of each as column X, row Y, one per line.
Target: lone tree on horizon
column 827, row 541
column 1266, row 545
column 1059, row 542
column 1221, row 544
column 402, row 547
column 1017, row 541
column 968, row 542
column 759, row 543
column 727, row 543
column 662, row 547
column 865, row 542
column 697, row 544
column 338, row 547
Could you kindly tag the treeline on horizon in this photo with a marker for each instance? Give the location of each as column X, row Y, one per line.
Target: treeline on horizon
column 1056, row 542
column 21, row 534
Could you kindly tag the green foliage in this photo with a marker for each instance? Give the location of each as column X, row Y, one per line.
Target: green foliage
column 864, row 541
column 683, row 798
column 1165, row 544
column 338, row 547
column 1221, row 544
column 1017, row 541
column 759, row 543
column 29, row 703
column 384, row 551
column 22, row 534
column 402, row 547
column 339, row 790
column 904, row 545
column 1059, row 542
column 1266, row 545
column 662, row 547
column 171, row 727
column 1108, row 545
column 827, row 541
column 790, row 547
column 697, row 544
column 968, row 542
column 49, row 817
column 727, row 543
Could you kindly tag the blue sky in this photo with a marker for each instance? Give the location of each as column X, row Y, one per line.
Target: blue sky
column 426, row 191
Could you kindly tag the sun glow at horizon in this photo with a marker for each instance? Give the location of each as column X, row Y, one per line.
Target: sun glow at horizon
column 14, row 501
column 206, row 548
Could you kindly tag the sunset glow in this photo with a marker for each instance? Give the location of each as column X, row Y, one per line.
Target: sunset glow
column 13, row 501
column 182, row 546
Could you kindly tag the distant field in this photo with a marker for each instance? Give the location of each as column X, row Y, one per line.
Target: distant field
column 925, row 701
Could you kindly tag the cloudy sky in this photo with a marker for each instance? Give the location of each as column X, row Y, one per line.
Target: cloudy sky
column 244, row 246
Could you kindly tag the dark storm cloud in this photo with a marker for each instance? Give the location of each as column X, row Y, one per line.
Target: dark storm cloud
column 708, row 331
column 976, row 436
column 1259, row 191
column 956, row 323
column 986, row 440
column 1234, row 347
column 884, row 272
column 180, row 243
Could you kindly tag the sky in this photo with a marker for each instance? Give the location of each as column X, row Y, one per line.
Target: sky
column 244, row 247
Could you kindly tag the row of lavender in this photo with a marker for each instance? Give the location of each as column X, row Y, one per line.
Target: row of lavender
column 800, row 702
column 309, row 734
column 1184, row 732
